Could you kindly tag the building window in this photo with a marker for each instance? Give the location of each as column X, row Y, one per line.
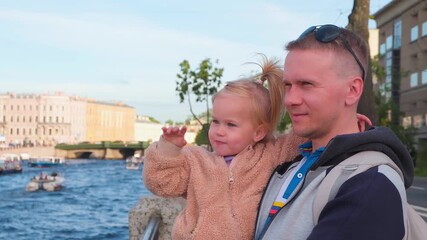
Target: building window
column 418, row 121
column 389, row 43
column 407, row 121
column 382, row 49
column 424, row 29
column 414, row 33
column 397, row 34
column 414, row 79
column 424, row 76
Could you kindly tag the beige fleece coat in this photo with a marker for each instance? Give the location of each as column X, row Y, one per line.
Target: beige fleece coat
column 222, row 202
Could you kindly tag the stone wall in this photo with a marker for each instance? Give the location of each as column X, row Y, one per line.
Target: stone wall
column 148, row 206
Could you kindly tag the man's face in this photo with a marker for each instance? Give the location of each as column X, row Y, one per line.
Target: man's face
column 315, row 95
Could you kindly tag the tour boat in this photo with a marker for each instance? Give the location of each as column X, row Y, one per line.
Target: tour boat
column 133, row 162
column 42, row 162
column 45, row 182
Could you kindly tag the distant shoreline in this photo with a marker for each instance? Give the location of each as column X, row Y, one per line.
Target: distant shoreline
column 33, row 151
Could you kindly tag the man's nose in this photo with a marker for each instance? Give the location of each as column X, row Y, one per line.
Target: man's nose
column 292, row 97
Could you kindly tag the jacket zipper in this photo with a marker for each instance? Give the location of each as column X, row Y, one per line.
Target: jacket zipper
column 230, row 184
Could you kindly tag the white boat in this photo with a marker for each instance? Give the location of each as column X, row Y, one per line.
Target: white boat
column 24, row 156
column 45, row 182
column 10, row 163
column 133, row 162
column 48, row 161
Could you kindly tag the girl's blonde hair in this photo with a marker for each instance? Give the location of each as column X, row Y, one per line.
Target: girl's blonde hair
column 266, row 100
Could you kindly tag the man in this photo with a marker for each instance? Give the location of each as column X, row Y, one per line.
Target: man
column 323, row 77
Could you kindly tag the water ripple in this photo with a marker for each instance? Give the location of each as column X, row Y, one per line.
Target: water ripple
column 94, row 204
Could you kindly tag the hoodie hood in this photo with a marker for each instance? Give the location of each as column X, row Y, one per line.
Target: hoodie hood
column 380, row 139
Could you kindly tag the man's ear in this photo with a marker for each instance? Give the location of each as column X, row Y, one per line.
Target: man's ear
column 355, row 90
column 260, row 133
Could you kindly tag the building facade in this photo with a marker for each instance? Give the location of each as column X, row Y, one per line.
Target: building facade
column 109, row 122
column 403, row 46
column 28, row 119
column 49, row 119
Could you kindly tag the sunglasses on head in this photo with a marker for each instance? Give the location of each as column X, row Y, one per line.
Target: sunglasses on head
column 328, row 33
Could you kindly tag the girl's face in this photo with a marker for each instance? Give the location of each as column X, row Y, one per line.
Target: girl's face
column 232, row 128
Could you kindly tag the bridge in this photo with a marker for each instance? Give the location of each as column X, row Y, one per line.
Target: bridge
column 101, row 150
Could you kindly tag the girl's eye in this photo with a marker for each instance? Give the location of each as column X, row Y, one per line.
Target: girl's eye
column 231, row 125
column 215, row 121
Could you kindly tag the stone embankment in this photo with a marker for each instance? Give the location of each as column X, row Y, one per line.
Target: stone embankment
column 152, row 206
column 32, row 151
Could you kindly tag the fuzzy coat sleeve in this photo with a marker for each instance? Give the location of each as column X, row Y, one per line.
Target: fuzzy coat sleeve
column 288, row 145
column 165, row 171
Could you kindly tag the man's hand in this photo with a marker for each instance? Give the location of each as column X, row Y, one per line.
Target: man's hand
column 175, row 135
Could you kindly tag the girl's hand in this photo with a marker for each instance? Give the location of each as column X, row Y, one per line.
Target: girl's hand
column 362, row 120
column 175, row 135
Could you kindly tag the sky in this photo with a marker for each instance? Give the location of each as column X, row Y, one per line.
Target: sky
column 129, row 51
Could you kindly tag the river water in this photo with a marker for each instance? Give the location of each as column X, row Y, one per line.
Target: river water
column 94, row 203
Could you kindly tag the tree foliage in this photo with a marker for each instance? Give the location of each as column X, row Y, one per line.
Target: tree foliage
column 389, row 111
column 200, row 83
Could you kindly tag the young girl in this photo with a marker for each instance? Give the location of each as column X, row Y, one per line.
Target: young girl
column 223, row 187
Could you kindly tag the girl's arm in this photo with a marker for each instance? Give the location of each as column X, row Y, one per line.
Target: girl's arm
column 166, row 171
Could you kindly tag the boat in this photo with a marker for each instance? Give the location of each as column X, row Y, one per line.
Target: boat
column 49, row 161
column 50, row 183
column 133, row 162
column 24, row 156
column 10, row 163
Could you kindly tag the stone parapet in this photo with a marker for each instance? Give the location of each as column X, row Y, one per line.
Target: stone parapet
column 166, row 208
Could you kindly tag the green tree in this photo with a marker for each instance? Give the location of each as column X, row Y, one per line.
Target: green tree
column 202, row 83
column 389, row 113
column 169, row 122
